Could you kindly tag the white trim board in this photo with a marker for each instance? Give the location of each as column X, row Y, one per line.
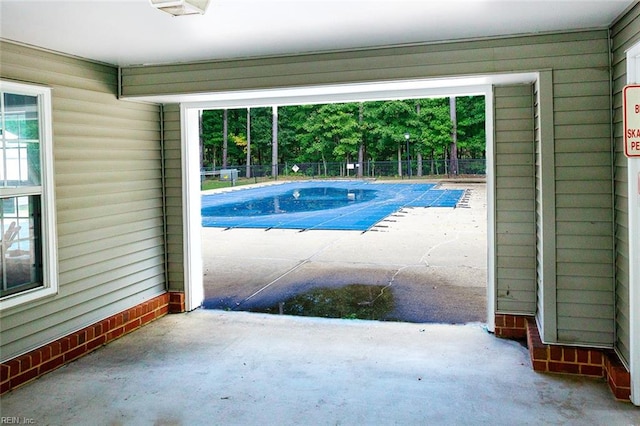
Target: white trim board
column 633, row 176
column 463, row 86
column 191, row 202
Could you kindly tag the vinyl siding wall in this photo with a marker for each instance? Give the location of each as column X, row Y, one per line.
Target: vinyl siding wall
column 173, row 171
column 545, row 209
column 625, row 33
column 109, row 204
column 515, row 219
column 584, row 204
column 578, row 50
column 581, row 150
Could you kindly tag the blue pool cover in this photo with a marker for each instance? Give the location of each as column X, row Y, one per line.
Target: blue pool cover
column 338, row 205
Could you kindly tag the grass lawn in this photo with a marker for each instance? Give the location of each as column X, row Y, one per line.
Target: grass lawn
column 216, row 184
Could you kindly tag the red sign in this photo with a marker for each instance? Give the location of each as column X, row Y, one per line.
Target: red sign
column 631, row 120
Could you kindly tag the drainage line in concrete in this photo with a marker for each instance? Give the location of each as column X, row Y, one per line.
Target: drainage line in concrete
column 393, row 278
column 273, row 282
column 298, row 266
column 423, row 258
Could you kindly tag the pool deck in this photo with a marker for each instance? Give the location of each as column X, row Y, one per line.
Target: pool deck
column 433, row 259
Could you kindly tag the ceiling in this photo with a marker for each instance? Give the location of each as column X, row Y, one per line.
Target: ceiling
column 131, row 32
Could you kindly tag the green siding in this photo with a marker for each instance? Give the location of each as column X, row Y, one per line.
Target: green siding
column 515, row 216
column 545, row 202
column 578, row 155
column 574, row 251
column 579, row 50
column 173, row 170
column 624, row 33
column 108, row 185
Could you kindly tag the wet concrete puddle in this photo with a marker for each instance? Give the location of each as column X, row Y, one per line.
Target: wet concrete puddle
column 355, row 301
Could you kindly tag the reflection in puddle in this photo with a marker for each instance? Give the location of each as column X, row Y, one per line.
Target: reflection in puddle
column 355, row 301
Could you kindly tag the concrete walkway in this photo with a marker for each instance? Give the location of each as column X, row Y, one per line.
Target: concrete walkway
column 235, row 368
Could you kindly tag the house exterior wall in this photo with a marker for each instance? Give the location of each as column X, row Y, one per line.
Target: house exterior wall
column 515, row 214
column 545, row 208
column 577, row 63
column 109, row 199
column 583, row 205
column 173, row 172
column 567, row 51
column 624, row 34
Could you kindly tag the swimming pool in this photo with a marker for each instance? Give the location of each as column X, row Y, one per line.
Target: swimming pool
column 337, row 205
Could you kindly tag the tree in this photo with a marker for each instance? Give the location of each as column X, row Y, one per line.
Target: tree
column 361, row 145
column 433, row 129
column 225, row 134
column 211, row 135
column 261, row 134
column 453, row 160
column 274, row 141
column 471, row 127
column 349, row 132
column 291, row 123
column 248, row 150
column 216, row 132
column 332, row 131
column 389, row 121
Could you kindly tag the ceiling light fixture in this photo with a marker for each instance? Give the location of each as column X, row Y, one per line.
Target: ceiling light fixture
column 181, row 7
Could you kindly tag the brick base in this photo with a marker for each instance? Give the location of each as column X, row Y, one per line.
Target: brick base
column 563, row 359
column 27, row 367
column 176, row 302
column 511, row 326
column 617, row 376
column 545, row 358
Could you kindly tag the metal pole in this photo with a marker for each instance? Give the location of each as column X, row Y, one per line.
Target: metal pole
column 407, row 136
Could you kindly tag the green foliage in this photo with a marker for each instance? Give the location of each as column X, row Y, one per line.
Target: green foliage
column 335, row 132
column 211, row 136
column 434, row 126
column 471, row 122
column 261, row 135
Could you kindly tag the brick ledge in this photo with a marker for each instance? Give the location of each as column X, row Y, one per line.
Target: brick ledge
column 590, row 362
column 176, row 302
column 25, row 368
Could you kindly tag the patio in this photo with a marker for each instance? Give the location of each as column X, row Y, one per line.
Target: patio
column 236, row 368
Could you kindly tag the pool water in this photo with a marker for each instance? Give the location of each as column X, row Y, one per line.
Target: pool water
column 296, row 200
column 339, row 205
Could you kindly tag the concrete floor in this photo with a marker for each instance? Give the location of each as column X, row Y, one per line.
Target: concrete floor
column 211, row 367
column 236, row 368
column 433, row 260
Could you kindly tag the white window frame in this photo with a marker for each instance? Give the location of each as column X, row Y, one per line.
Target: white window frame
column 49, row 240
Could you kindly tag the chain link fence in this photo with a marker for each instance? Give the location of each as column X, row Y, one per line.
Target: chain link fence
column 370, row 169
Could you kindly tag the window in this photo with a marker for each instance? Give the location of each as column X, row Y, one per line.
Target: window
column 27, row 230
